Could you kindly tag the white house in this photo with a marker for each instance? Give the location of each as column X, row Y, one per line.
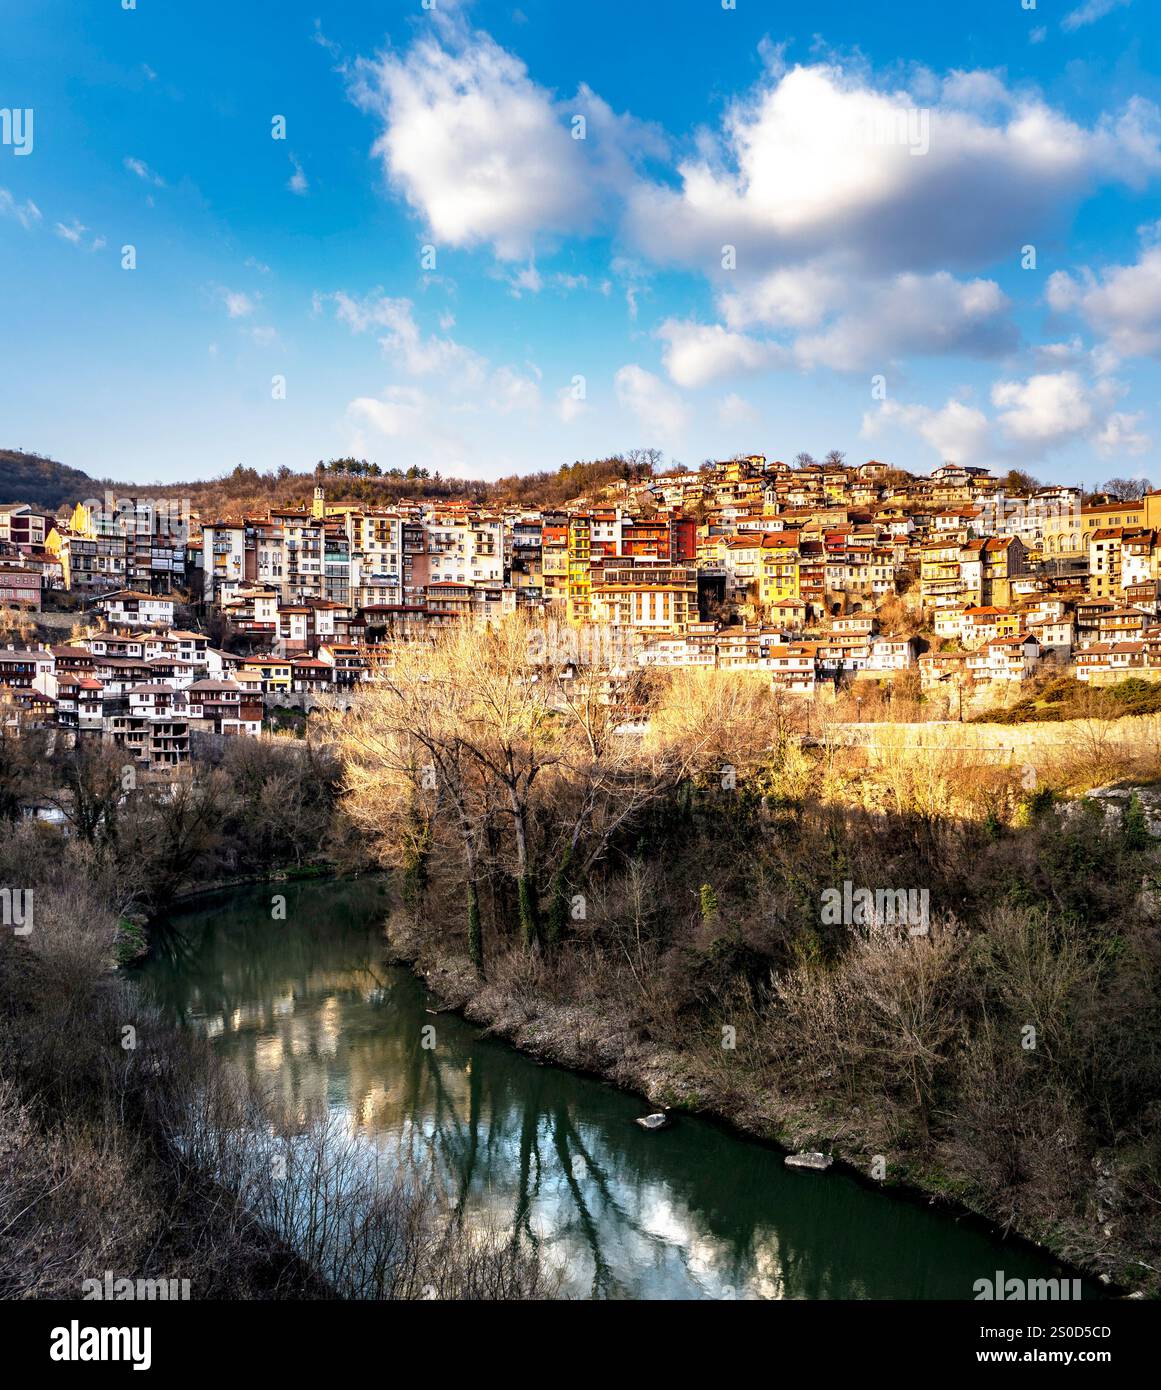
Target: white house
column 136, row 609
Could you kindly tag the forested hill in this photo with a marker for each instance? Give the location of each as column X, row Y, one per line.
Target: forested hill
column 245, row 491
column 42, row 482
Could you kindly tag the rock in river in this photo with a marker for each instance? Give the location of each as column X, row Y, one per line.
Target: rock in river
column 657, row 1121
column 809, row 1160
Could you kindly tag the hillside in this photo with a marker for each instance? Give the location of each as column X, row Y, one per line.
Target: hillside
column 245, row 491
column 42, row 482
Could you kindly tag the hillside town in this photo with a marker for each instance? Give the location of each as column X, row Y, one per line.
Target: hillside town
column 134, row 618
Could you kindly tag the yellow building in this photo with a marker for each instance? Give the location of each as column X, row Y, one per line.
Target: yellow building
column 57, row 546
column 778, row 578
column 266, row 673
column 941, row 584
column 580, row 543
column 1110, row 514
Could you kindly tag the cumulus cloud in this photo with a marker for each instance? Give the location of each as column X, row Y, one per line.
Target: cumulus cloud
column 484, row 154
column 1121, row 434
column 863, row 219
column 794, row 297
column 817, row 162
column 697, row 353
column 880, row 321
column 1047, row 408
column 513, row 390
column 527, row 280
column 1122, row 302
column 932, row 314
column 402, row 412
column 1033, row 416
column 656, row 406
column 955, row 431
column 836, row 212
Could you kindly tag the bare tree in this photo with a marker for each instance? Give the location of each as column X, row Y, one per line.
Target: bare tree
column 1126, row 489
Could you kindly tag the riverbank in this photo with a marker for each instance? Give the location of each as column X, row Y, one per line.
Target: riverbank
column 608, row 1045
column 129, row 1144
column 97, row 1096
column 604, row 1043
column 516, row 1145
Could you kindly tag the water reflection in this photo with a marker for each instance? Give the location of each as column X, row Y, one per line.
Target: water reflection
column 305, row 1007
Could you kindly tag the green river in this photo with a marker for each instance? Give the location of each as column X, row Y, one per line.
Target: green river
column 307, row 1008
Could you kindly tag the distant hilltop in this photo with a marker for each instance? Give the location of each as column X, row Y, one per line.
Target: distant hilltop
column 43, row 482
column 26, row 477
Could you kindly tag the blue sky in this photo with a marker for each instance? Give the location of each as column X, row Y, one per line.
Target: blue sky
column 877, row 172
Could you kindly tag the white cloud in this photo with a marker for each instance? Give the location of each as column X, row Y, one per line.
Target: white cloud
column 530, row 279
column 297, row 182
column 512, row 390
column 569, row 406
column 880, row 320
column 929, row 314
column 402, row 412
column 816, row 164
column 1120, row 435
column 1054, row 354
column 333, row 48
column 975, row 89
column 634, row 277
column 1046, row 409
column 238, row 305
column 956, row 431
column 1090, row 12
column 657, row 406
column 143, row 171
column 427, row 428
column 76, row 233
column 1123, row 302
column 1033, row 417
column 697, row 353
column 483, row 153
column 451, row 381
column 527, row 280
column 26, row 213
column 796, row 297
column 403, row 339
column 733, row 411
column 849, row 207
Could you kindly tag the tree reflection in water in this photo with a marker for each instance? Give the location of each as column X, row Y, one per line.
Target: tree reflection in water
column 305, row 1007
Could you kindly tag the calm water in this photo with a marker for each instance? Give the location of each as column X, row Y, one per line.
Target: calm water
column 307, row 1008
